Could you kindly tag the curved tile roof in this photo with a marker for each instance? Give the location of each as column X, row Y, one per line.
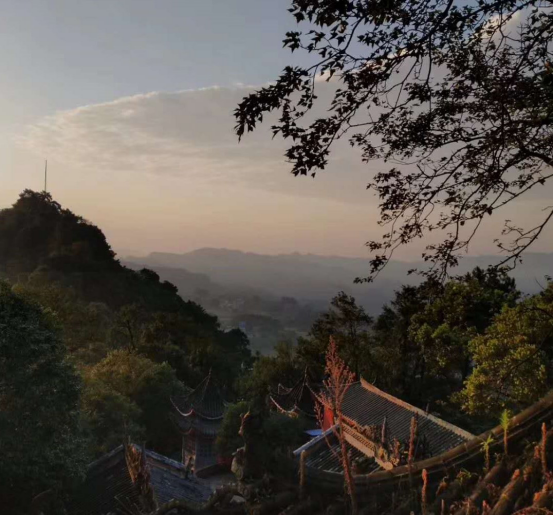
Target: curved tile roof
column 167, row 478
column 187, row 425
column 109, row 488
column 299, row 398
column 328, row 454
column 205, row 400
column 368, row 406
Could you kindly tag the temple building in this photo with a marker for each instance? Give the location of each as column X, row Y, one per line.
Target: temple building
column 199, row 415
column 298, row 400
column 381, row 431
column 131, row 479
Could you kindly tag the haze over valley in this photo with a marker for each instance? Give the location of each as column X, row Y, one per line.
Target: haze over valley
column 276, row 257
column 277, row 297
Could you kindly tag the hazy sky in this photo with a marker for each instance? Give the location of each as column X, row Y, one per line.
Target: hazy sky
column 131, row 102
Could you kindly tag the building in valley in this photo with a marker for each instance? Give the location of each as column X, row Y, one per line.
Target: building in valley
column 378, row 429
column 198, row 417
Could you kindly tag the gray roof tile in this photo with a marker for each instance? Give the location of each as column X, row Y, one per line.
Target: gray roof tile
column 366, row 405
column 108, row 487
column 369, row 406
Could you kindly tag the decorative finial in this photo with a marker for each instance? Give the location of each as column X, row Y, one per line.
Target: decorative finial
column 384, row 431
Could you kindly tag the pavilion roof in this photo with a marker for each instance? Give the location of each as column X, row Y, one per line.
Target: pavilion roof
column 298, row 399
column 205, row 401
column 196, row 425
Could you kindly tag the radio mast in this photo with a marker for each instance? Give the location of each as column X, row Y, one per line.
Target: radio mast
column 45, row 175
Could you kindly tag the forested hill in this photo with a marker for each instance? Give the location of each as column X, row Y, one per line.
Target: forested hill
column 65, row 263
column 40, row 239
column 107, row 347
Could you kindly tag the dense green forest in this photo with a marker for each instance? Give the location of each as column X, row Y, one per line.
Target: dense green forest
column 467, row 349
column 122, row 342
column 91, row 351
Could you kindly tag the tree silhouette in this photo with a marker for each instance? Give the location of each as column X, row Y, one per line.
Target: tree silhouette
column 458, row 92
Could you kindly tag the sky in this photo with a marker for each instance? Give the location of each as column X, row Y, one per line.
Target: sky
column 131, row 102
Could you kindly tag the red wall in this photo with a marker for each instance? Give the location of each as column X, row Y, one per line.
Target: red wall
column 328, row 419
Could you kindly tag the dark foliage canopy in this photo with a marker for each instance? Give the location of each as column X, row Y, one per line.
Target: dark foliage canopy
column 457, row 92
column 114, row 319
column 349, row 325
column 42, row 445
column 422, row 337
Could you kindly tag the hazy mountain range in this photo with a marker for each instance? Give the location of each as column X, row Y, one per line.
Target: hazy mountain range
column 309, row 278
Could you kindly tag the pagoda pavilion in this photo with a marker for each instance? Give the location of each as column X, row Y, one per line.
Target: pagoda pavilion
column 199, row 415
column 298, row 400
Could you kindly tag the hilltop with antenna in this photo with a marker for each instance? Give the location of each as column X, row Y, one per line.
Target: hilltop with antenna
column 46, row 175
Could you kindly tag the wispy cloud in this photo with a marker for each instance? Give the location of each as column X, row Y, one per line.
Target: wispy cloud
column 189, row 135
column 187, row 132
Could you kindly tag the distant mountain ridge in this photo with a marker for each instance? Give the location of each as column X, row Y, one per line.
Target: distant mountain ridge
column 314, row 278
